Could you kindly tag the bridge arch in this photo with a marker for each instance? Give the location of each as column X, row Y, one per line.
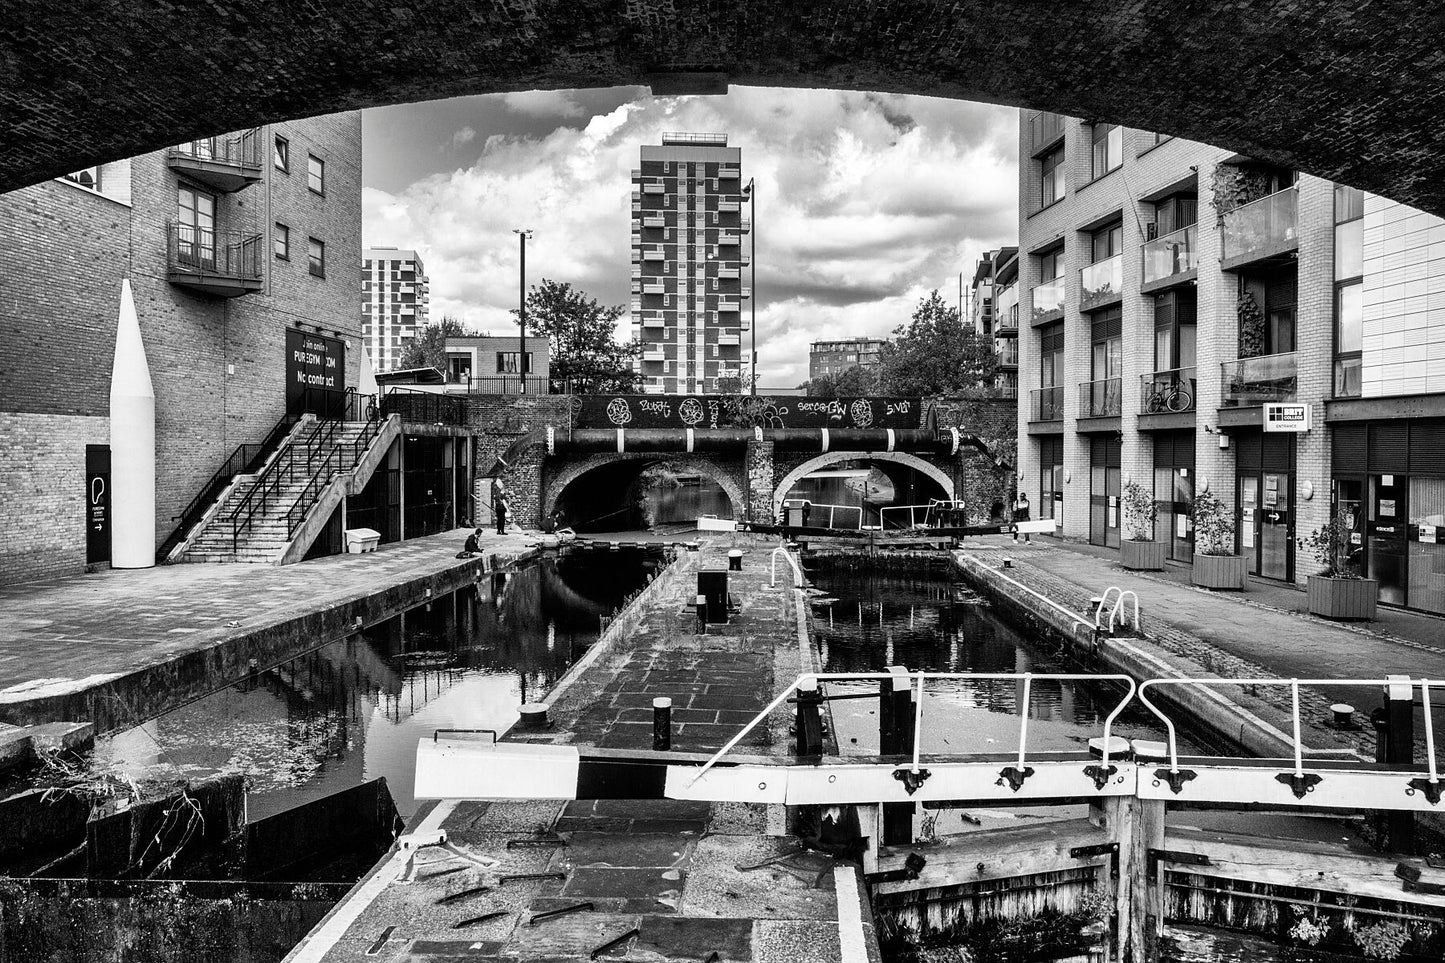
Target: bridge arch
column 558, row 481
column 920, row 465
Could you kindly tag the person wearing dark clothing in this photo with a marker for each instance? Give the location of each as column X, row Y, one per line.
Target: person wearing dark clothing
column 472, row 547
column 1021, row 512
column 499, row 508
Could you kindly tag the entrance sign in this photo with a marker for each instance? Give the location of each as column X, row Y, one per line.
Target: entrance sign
column 97, row 504
column 315, row 370
column 1286, row 417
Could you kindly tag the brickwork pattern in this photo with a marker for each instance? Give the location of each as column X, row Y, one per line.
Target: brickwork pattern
column 42, row 468
column 1403, row 350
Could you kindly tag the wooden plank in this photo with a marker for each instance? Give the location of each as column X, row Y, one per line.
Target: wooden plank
column 995, row 854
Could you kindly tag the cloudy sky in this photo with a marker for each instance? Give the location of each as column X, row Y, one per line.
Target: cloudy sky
column 866, row 202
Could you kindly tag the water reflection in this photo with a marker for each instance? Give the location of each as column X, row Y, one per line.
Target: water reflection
column 354, row 710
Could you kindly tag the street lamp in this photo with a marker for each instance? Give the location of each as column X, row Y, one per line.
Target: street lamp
column 752, row 197
column 522, row 235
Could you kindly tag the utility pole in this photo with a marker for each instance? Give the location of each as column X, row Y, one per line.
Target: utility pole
column 522, row 235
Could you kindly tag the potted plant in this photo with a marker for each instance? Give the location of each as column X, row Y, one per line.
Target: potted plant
column 1138, row 551
column 1215, row 564
column 1340, row 591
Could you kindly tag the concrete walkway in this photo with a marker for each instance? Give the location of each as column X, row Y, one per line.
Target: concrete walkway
column 63, row 635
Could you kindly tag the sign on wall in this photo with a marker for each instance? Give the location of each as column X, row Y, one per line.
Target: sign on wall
column 97, row 504
column 1286, row 417
column 734, row 411
column 315, row 370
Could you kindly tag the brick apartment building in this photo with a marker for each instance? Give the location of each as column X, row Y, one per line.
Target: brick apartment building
column 832, row 358
column 234, row 246
column 395, row 302
column 689, row 252
column 1175, row 292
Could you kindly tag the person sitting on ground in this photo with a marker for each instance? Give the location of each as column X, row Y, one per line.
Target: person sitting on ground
column 473, row 546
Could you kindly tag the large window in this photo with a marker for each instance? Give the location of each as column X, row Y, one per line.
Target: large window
column 1051, row 265
column 1349, row 290
column 196, row 235
column 1108, row 148
column 1106, row 242
column 1052, row 184
column 508, row 361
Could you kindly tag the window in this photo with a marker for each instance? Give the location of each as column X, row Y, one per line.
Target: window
column 315, row 174
column 1051, row 265
column 1349, row 290
column 196, row 228
column 282, row 245
column 1108, row 148
column 1052, row 185
column 459, row 369
column 507, row 362
column 88, row 177
column 281, row 156
column 1107, row 242
column 316, row 255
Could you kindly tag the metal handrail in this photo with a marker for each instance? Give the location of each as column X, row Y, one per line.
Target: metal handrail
column 1117, row 610
column 832, row 510
column 797, row 571
column 1294, row 685
column 919, row 679
column 928, row 510
column 322, row 474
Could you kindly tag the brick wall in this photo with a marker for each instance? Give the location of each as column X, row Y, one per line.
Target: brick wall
column 42, row 470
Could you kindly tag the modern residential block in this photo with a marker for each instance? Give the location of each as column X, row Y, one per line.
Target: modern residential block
column 395, row 302
column 835, row 357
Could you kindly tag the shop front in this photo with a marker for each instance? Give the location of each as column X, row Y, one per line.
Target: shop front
column 1264, row 502
column 1389, row 485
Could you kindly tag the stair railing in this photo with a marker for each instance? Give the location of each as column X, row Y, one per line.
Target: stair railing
column 324, row 467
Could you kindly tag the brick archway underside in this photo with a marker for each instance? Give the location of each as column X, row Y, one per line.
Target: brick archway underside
column 560, row 475
column 920, row 465
column 81, row 88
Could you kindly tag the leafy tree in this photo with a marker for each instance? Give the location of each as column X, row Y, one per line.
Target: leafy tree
column 848, row 383
column 935, row 353
column 734, row 384
column 582, row 335
column 429, row 347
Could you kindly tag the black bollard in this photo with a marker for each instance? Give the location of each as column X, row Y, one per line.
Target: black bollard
column 1395, row 743
column 662, row 724
column 895, row 738
column 809, row 729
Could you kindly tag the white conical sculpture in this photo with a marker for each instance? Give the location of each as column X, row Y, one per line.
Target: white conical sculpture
column 366, row 381
column 132, row 445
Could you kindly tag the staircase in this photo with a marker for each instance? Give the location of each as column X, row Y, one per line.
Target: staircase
column 272, row 516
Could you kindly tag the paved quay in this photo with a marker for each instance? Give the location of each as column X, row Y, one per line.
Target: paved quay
column 661, row 880
column 1263, row 632
column 120, row 645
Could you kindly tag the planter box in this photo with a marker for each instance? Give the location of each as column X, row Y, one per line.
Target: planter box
column 1220, row 572
column 1343, row 598
column 1141, row 556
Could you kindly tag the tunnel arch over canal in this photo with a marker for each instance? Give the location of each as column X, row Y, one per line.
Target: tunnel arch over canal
column 886, row 460
column 612, row 478
column 1298, row 83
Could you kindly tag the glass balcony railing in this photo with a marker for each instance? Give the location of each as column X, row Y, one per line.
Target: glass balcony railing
column 1008, row 309
column 1046, row 404
column 1164, row 391
column 1262, row 229
column 1171, row 255
column 1254, row 381
column 1103, row 282
column 1008, row 352
column 1049, row 297
column 1045, row 127
column 1100, row 399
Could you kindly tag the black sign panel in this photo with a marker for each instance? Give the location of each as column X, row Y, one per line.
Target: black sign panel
column 315, row 371
column 97, row 503
column 734, row 411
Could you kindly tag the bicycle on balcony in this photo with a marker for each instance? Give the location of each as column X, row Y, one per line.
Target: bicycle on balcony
column 1171, row 396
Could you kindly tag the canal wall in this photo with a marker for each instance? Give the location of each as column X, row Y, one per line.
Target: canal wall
column 128, row 698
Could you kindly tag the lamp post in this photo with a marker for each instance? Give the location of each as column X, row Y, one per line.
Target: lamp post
column 522, row 235
column 753, row 259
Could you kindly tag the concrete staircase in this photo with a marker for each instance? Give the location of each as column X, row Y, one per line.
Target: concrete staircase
column 317, row 467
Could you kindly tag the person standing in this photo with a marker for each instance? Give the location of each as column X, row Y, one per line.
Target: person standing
column 1021, row 513
column 499, row 506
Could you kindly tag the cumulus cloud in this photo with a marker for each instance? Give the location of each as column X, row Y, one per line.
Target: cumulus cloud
column 464, row 136
column 543, row 103
column 865, row 203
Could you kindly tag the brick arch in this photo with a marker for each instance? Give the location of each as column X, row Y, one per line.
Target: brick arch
column 222, row 71
column 558, row 481
column 920, row 465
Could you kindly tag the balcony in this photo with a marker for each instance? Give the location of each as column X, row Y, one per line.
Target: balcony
column 746, row 293
column 1102, row 283
column 1100, row 399
column 1007, row 319
column 1045, row 130
column 654, row 221
column 1255, row 381
column 729, row 274
column 1171, row 259
column 653, row 189
column 225, row 264
column 728, row 174
column 729, row 340
column 727, row 306
column 1046, row 404
column 1171, row 391
column 637, row 173
column 653, row 354
column 729, row 207
column 226, row 164
column 728, row 240
column 745, row 224
column 636, row 305
column 1008, row 352
column 653, row 255
column 1049, row 300
column 655, row 321
column 654, row 288
column 1261, row 231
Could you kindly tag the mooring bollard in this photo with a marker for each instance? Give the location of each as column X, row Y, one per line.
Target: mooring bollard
column 661, row 724
column 809, row 728
column 701, row 603
column 533, row 716
column 735, row 560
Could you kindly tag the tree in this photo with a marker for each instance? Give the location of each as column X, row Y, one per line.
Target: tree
column 582, row 336
column 428, row 349
column 734, row 384
column 848, row 383
column 935, row 353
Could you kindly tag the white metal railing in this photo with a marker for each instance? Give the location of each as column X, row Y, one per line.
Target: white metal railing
column 810, row 682
column 1117, row 610
column 935, row 507
column 792, row 562
column 811, row 507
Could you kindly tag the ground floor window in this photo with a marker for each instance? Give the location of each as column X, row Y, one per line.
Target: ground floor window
column 1104, row 490
column 1174, row 492
column 1051, row 479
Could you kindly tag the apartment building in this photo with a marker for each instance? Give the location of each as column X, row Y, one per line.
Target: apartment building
column 1199, row 320
column 831, row 358
column 689, row 253
column 242, row 256
column 395, row 302
column 982, row 308
column 1006, row 321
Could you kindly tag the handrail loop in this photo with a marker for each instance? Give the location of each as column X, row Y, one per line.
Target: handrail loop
column 797, row 572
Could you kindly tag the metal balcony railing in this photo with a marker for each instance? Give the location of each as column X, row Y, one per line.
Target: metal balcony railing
column 1264, row 228
column 206, row 253
column 1255, row 381
column 1100, row 399
column 1173, row 389
column 1173, row 254
column 237, row 150
column 1102, row 282
column 1045, row 127
column 1049, row 297
column 1007, row 318
column 1046, row 404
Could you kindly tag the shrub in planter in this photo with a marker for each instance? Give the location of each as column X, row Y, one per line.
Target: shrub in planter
column 1341, row 591
column 1138, row 551
column 1215, row 564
